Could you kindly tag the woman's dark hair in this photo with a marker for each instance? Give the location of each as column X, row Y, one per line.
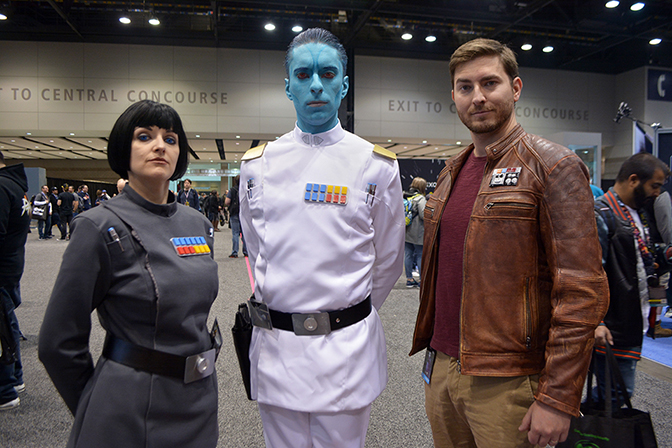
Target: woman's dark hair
column 145, row 114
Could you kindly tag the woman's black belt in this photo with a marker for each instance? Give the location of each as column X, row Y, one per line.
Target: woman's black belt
column 187, row 368
column 320, row 323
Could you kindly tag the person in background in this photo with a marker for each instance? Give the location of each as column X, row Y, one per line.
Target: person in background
column 42, row 200
column 14, row 223
column 659, row 213
column 84, row 198
column 55, row 219
column 512, row 286
column 67, row 204
column 145, row 264
column 629, row 258
column 213, row 205
column 232, row 203
column 188, row 196
column 319, row 208
column 415, row 231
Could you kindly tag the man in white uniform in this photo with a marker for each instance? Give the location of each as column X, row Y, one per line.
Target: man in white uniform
column 322, row 216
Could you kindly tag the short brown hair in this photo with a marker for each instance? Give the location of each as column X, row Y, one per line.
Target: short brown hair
column 419, row 184
column 484, row 47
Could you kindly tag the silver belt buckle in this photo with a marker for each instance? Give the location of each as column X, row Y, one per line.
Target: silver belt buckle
column 311, row 324
column 199, row 366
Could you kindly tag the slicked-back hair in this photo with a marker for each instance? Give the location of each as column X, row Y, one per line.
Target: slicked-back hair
column 484, row 47
column 316, row 36
column 145, row 114
column 644, row 165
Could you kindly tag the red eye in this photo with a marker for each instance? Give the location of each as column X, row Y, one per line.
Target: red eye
column 329, row 75
column 302, row 75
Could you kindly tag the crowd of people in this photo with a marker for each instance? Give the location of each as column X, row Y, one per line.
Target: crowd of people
column 512, row 222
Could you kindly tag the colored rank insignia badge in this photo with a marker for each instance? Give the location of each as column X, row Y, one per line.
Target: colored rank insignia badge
column 505, row 177
column 327, row 194
column 192, row 245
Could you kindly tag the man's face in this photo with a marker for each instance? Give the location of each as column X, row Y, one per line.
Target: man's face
column 71, row 189
column 45, row 189
column 316, row 85
column 187, row 185
column 484, row 95
column 85, row 189
column 648, row 191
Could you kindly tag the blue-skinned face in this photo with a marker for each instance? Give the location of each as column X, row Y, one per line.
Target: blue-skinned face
column 316, row 85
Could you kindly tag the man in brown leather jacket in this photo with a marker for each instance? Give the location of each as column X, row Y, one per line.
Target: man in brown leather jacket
column 512, row 280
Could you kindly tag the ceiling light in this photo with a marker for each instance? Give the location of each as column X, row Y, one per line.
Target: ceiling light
column 637, row 6
column 72, row 133
column 612, row 4
column 125, row 20
column 237, row 136
column 458, row 143
column 407, row 36
column 153, row 20
column 269, row 27
column 198, row 136
column 297, row 28
column 655, row 41
column 547, row 49
column 526, row 47
column 424, row 141
column 3, row 17
column 430, row 38
column 29, row 133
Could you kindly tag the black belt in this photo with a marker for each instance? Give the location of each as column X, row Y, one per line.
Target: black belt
column 320, row 323
column 186, row 368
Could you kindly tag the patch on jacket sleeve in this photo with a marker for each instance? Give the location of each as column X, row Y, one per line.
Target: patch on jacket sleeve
column 254, row 153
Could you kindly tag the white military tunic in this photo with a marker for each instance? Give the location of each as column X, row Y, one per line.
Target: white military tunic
column 313, row 257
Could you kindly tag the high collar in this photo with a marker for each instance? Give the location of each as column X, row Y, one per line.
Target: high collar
column 330, row 137
column 165, row 210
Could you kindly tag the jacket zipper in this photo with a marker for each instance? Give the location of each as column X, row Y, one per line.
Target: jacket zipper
column 528, row 316
column 489, row 205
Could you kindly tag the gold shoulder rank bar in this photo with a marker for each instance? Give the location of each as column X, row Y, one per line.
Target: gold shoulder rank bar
column 254, row 153
column 383, row 152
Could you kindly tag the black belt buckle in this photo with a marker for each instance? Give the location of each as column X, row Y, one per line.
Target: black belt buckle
column 311, row 324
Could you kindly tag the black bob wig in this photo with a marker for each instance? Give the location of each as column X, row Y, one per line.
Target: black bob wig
column 145, row 114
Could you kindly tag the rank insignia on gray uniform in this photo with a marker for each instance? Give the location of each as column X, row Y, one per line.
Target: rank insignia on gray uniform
column 505, row 177
column 326, row 194
column 192, row 245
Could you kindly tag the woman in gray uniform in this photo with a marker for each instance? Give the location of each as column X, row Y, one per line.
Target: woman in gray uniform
column 146, row 265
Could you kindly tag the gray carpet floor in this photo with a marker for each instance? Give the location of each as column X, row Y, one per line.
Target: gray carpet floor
column 397, row 421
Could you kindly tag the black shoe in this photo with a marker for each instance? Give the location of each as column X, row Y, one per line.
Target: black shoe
column 233, row 256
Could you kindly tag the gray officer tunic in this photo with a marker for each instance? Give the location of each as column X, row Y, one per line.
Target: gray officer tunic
column 147, row 295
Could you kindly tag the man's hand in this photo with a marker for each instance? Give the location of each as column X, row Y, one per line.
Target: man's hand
column 603, row 335
column 545, row 425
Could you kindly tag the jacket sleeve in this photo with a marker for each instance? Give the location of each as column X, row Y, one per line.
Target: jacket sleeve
column 579, row 294
column 63, row 344
column 389, row 231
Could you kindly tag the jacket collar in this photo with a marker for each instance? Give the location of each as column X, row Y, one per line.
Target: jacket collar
column 332, row 136
column 493, row 151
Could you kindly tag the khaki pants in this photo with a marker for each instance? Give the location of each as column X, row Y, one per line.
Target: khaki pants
column 469, row 411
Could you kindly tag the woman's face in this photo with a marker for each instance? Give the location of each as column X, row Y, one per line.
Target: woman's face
column 154, row 153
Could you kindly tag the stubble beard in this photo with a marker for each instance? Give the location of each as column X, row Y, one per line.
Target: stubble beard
column 502, row 115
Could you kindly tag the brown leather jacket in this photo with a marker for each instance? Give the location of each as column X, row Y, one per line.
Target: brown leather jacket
column 533, row 287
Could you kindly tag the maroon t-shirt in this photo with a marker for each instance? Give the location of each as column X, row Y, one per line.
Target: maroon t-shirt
column 452, row 232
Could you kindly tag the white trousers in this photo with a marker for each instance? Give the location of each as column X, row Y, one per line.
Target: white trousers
column 284, row 428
